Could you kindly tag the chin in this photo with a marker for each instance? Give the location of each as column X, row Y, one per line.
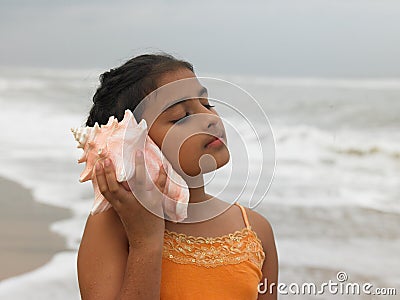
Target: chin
column 209, row 162
column 221, row 158
column 224, row 159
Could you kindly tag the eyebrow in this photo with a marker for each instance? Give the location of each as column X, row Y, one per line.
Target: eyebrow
column 177, row 101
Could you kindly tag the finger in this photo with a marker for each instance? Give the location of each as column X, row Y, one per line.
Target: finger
column 140, row 175
column 114, row 187
column 159, row 182
column 162, row 178
column 126, row 186
column 102, row 182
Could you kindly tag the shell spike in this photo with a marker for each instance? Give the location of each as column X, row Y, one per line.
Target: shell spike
column 80, row 136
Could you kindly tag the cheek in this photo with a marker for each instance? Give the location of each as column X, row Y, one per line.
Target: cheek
column 174, row 144
column 181, row 151
column 189, row 155
column 164, row 142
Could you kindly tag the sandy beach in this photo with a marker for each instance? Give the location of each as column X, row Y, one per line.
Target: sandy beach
column 26, row 240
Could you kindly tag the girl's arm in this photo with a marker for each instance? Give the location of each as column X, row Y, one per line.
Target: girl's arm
column 106, row 267
column 271, row 265
column 121, row 249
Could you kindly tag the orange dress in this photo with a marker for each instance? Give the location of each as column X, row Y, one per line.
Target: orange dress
column 224, row 267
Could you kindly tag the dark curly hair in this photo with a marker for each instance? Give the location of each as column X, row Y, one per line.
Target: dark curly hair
column 124, row 87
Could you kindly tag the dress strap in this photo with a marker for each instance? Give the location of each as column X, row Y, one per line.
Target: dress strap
column 244, row 214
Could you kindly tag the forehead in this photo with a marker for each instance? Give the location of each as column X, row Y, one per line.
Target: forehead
column 173, row 89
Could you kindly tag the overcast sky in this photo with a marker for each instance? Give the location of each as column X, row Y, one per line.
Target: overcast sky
column 328, row 38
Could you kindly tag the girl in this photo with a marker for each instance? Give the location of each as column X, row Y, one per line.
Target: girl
column 129, row 252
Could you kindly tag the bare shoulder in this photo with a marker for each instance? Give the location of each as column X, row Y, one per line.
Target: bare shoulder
column 104, row 229
column 261, row 226
column 102, row 256
column 107, row 222
column 270, row 267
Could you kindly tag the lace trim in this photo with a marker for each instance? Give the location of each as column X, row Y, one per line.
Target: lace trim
column 231, row 248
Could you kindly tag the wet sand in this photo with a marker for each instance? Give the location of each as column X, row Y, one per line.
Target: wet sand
column 26, row 240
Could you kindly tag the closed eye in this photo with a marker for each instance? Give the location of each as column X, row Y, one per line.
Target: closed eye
column 174, row 121
column 208, row 106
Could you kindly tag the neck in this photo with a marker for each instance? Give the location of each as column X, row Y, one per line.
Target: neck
column 197, row 195
column 202, row 206
column 196, row 189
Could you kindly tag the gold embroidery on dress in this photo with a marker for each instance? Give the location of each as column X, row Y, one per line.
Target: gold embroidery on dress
column 231, row 248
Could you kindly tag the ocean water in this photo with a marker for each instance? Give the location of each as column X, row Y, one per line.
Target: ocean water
column 329, row 183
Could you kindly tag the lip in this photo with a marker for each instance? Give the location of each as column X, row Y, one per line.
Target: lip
column 215, row 141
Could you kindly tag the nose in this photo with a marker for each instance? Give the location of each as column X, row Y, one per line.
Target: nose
column 210, row 121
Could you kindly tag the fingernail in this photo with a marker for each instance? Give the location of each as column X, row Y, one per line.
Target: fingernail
column 98, row 167
column 107, row 162
column 139, row 153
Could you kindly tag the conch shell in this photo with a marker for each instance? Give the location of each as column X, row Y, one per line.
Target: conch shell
column 119, row 142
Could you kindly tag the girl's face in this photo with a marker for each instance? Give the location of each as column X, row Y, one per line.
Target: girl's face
column 182, row 131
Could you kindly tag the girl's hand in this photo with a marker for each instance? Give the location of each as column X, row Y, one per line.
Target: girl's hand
column 141, row 223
